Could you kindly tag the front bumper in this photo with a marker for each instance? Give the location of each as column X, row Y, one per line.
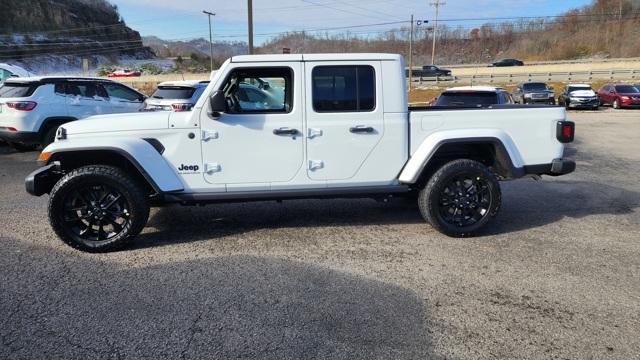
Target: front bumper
column 592, row 103
column 22, row 137
column 41, row 181
column 556, row 168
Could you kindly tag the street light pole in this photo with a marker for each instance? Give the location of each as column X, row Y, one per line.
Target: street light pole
column 210, row 14
column 437, row 5
column 250, row 21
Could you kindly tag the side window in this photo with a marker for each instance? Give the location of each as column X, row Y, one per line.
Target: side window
column 121, row 93
column 344, row 88
column 259, row 90
column 59, row 88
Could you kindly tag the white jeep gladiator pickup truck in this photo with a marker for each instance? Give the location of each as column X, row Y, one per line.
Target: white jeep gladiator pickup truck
column 275, row 127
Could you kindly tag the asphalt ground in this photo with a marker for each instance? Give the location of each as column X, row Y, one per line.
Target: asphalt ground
column 555, row 276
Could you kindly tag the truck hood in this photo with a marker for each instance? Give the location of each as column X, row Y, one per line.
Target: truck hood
column 584, row 93
column 119, row 122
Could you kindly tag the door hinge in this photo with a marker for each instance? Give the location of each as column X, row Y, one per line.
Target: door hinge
column 211, row 168
column 314, row 133
column 208, row 135
column 316, row 165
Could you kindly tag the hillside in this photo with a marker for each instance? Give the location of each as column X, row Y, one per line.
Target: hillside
column 606, row 28
column 61, row 32
column 170, row 49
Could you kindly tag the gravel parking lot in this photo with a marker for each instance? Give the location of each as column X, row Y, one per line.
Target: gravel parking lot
column 557, row 276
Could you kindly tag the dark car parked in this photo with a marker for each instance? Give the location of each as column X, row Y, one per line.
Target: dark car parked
column 619, row 96
column 578, row 96
column 508, row 62
column 473, row 96
column 432, row 71
column 533, row 93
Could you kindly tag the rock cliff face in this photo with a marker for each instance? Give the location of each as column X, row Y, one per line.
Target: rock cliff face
column 69, row 29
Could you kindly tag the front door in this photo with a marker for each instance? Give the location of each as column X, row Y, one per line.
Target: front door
column 344, row 118
column 259, row 139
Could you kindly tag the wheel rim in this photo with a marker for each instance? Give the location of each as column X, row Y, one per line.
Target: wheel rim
column 464, row 200
column 95, row 212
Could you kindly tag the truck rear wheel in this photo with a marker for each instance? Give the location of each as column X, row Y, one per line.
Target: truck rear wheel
column 98, row 208
column 460, row 198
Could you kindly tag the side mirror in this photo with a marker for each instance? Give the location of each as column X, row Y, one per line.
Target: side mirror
column 217, row 103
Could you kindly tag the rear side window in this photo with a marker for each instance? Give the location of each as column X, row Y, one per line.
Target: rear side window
column 17, row 90
column 82, row 89
column 477, row 98
column 344, row 88
column 121, row 93
column 173, row 92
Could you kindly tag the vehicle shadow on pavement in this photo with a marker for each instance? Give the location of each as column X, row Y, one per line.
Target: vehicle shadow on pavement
column 79, row 306
column 176, row 224
column 526, row 204
column 529, row 204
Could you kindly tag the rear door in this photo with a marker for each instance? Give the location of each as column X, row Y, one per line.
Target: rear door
column 345, row 117
column 83, row 99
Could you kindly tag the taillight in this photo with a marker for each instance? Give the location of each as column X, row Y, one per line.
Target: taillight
column 565, row 131
column 181, row 107
column 22, row 105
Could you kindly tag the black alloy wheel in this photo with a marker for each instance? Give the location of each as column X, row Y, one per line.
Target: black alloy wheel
column 460, row 198
column 98, row 208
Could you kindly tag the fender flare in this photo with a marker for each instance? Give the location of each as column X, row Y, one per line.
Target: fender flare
column 140, row 153
column 505, row 148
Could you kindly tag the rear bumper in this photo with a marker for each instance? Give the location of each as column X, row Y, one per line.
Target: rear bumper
column 556, row 168
column 23, row 137
column 41, row 181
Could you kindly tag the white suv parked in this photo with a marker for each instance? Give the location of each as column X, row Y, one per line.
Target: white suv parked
column 31, row 109
column 176, row 95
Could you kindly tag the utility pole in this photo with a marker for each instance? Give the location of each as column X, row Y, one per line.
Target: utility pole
column 411, row 54
column 411, row 36
column 210, row 14
column 437, row 5
column 250, row 20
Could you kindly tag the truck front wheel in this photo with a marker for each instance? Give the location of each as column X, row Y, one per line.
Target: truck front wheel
column 460, row 198
column 97, row 208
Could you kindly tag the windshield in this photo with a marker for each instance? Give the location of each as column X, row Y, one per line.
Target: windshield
column 578, row 88
column 535, row 86
column 16, row 90
column 173, row 92
column 472, row 98
column 626, row 89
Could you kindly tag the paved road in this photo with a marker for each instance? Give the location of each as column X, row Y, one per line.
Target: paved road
column 557, row 276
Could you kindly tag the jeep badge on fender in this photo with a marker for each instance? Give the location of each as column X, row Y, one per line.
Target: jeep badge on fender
column 188, row 168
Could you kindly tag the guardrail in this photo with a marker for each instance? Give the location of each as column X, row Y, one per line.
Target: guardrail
column 615, row 74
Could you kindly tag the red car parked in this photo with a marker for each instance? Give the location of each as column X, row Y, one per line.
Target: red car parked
column 124, row 73
column 619, row 95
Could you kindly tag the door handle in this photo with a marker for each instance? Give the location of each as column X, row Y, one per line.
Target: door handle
column 361, row 129
column 285, row 131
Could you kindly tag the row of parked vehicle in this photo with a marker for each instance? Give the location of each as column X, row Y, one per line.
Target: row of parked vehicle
column 572, row 96
column 32, row 108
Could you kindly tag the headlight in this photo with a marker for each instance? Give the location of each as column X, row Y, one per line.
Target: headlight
column 551, row 95
column 624, row 98
column 527, row 95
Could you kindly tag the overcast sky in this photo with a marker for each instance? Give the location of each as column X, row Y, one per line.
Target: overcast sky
column 183, row 19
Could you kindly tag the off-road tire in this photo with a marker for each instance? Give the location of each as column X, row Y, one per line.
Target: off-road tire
column 137, row 209
column 429, row 200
